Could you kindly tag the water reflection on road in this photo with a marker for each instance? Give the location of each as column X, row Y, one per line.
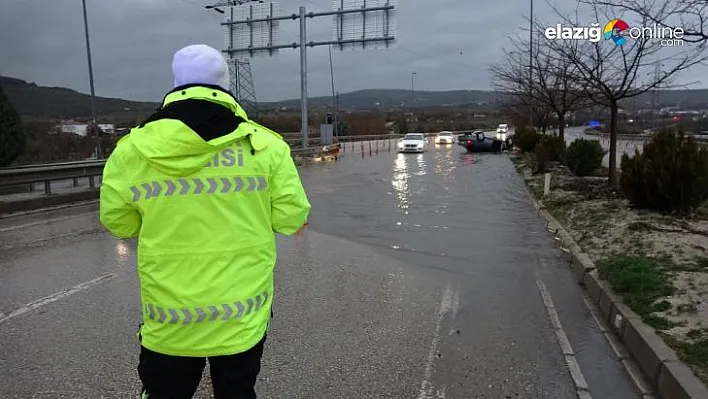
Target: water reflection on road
column 468, row 216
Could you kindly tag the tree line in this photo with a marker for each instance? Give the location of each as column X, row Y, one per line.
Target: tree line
column 549, row 74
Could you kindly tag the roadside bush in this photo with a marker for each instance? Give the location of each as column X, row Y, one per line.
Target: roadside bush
column 555, row 147
column 583, row 157
column 542, row 156
column 670, row 175
column 526, row 140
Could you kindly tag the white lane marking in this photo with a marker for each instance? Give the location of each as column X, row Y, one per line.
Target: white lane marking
column 454, row 305
column 54, row 297
column 440, row 394
column 426, row 385
column 47, row 221
column 581, row 385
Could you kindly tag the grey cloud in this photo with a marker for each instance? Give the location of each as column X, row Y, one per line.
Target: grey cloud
column 449, row 43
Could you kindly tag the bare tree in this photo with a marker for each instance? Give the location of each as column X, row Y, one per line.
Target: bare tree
column 689, row 15
column 608, row 72
column 524, row 112
column 554, row 85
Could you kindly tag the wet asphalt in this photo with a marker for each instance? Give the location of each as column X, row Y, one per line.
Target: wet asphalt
column 418, row 278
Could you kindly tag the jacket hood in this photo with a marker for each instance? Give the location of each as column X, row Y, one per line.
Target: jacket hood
column 193, row 123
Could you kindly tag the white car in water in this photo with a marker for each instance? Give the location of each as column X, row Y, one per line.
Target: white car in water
column 445, row 137
column 502, row 131
column 413, row 142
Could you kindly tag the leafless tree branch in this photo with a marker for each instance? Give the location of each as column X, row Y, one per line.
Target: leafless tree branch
column 690, row 15
column 608, row 73
column 552, row 86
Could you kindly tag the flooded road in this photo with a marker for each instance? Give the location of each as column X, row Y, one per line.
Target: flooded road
column 421, row 276
column 623, row 146
column 469, row 216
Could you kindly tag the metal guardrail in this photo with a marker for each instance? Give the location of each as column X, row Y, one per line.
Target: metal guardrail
column 29, row 166
column 47, row 173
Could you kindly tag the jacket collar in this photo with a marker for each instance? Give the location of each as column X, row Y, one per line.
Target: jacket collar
column 205, row 92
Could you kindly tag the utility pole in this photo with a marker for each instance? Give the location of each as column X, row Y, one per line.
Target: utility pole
column 303, row 79
column 334, row 95
column 654, row 98
column 413, row 87
column 240, row 77
column 531, row 61
column 94, row 125
column 368, row 23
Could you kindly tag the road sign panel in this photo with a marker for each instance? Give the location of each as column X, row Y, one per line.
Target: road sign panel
column 372, row 28
column 260, row 34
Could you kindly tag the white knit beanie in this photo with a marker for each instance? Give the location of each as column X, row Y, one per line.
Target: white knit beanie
column 200, row 64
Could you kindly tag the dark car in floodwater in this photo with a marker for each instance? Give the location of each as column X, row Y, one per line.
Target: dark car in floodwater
column 480, row 142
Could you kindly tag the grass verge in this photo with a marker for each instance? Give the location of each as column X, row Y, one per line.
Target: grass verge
column 655, row 263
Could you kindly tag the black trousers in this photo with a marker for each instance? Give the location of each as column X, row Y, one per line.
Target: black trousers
column 177, row 377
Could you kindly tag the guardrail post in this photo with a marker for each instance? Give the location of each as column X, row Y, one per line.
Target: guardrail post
column 76, row 182
column 370, row 148
column 47, row 187
column 92, row 182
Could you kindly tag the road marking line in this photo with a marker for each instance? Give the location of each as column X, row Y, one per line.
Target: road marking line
column 581, row 385
column 454, row 305
column 426, row 385
column 54, row 297
column 440, row 394
column 22, row 226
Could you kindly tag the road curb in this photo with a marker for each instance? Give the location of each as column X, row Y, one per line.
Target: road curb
column 47, row 201
column 670, row 378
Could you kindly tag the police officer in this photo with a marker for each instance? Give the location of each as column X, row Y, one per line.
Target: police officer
column 204, row 189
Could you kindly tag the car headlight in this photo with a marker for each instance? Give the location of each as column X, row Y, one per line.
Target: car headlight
column 400, row 144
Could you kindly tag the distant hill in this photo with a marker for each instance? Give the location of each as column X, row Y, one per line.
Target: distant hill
column 33, row 101
column 390, row 98
column 367, row 99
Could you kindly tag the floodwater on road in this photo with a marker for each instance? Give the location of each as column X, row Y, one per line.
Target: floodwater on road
column 469, row 215
column 421, row 275
column 623, row 146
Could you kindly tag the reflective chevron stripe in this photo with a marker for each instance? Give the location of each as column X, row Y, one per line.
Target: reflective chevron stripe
column 209, row 313
column 210, row 186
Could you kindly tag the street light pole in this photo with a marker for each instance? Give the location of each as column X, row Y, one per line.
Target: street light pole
column 94, row 127
column 413, row 87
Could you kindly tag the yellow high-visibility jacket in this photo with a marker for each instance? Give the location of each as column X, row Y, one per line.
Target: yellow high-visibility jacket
column 205, row 190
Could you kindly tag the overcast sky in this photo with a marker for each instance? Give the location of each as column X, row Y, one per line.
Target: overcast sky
column 449, row 43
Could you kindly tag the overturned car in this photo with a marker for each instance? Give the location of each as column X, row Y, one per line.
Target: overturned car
column 479, row 142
